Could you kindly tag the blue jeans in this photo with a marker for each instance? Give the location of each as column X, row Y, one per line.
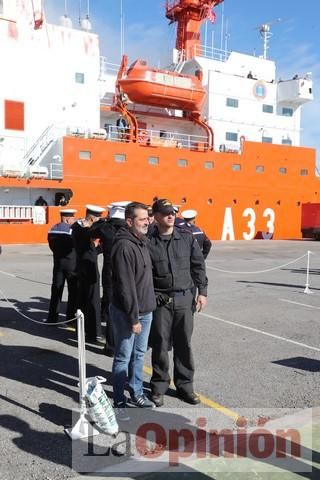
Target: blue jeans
column 128, row 353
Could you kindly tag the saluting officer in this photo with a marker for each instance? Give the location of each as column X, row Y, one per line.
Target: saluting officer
column 64, row 266
column 188, row 222
column 85, row 233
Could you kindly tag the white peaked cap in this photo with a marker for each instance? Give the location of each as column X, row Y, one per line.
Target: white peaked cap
column 189, row 214
column 95, row 210
column 123, row 204
column 117, row 209
column 117, row 212
column 68, row 212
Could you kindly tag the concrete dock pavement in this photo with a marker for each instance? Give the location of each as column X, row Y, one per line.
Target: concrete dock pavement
column 257, row 353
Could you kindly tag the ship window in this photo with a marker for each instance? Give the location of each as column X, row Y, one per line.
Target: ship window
column 259, row 168
column 260, row 90
column 14, row 115
column 232, row 136
column 120, row 158
column 236, row 167
column 286, row 141
column 287, row 112
column 232, row 102
column 153, row 160
column 304, row 172
column 208, row 165
column 267, row 108
column 283, row 170
column 182, row 162
column 266, row 139
column 84, row 155
column 79, row 77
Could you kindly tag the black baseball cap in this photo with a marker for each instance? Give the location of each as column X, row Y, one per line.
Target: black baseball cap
column 164, row 206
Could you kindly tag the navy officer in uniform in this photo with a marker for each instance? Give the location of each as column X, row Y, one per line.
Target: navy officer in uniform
column 188, row 222
column 178, row 267
column 85, row 233
column 64, row 266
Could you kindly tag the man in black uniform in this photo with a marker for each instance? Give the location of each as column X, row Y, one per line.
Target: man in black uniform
column 178, row 266
column 85, row 233
column 188, row 222
column 64, row 266
column 108, row 230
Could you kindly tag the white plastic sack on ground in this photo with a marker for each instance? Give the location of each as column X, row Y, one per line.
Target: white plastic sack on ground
column 99, row 406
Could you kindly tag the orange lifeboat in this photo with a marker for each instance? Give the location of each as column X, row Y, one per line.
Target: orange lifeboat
column 163, row 88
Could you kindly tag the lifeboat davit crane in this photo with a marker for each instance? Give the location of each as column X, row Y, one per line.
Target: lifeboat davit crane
column 145, row 85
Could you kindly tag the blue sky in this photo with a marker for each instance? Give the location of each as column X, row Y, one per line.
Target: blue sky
column 294, row 44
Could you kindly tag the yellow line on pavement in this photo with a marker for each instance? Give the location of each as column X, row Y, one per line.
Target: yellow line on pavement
column 206, row 401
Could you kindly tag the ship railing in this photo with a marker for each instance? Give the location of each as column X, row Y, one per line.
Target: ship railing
column 23, row 213
column 16, row 212
column 55, row 171
column 107, row 68
column 213, row 53
column 155, row 138
column 158, row 138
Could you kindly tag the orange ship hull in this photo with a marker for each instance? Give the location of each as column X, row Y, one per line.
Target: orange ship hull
column 233, row 202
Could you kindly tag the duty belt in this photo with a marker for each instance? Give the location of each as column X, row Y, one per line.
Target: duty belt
column 179, row 293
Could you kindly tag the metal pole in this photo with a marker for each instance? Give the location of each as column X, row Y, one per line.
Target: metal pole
column 307, row 289
column 81, row 360
column 82, row 429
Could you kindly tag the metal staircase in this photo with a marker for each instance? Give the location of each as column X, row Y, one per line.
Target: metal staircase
column 31, row 162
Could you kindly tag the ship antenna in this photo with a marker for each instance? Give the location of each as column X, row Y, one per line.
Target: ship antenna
column 222, row 28
column 80, row 13
column 65, row 19
column 121, row 28
column 85, row 23
column 266, row 34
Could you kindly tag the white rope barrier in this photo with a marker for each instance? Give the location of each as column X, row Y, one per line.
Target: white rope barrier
column 255, row 272
column 259, row 271
column 22, row 278
column 42, row 322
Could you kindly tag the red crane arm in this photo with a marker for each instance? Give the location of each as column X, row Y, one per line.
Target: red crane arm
column 189, row 14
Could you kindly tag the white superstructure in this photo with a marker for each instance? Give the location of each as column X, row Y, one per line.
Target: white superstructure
column 53, row 81
column 48, row 80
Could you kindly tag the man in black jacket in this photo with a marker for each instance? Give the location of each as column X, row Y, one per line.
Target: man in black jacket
column 108, row 231
column 178, row 267
column 133, row 301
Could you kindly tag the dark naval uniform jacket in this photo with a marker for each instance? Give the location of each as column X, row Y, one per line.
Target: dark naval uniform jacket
column 64, row 269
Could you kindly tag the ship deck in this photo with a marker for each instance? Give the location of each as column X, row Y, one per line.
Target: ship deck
column 256, row 348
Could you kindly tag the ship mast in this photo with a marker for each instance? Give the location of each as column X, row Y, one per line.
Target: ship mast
column 189, row 14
